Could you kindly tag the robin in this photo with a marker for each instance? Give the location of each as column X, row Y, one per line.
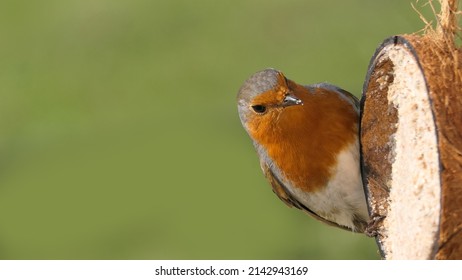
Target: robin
column 307, row 140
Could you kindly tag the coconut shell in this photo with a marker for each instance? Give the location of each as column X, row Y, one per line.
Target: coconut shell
column 411, row 147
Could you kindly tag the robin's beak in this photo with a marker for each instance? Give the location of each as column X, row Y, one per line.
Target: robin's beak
column 290, row 100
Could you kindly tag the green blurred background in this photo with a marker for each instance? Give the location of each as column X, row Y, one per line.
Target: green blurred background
column 119, row 132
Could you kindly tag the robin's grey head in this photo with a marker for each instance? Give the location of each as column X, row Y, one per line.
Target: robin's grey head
column 258, row 83
column 265, row 93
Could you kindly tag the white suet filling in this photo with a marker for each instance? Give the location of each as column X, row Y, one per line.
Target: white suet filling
column 412, row 221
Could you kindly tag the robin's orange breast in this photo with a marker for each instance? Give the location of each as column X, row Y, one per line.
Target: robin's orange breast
column 304, row 141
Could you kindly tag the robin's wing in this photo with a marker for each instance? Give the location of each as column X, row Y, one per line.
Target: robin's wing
column 350, row 97
column 281, row 191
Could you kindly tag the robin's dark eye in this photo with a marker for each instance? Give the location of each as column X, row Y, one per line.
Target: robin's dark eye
column 260, row 109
